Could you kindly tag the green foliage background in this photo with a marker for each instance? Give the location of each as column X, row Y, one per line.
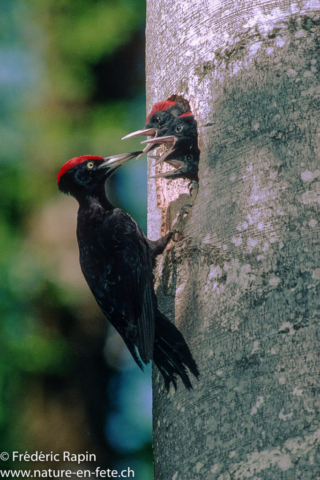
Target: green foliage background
column 72, row 83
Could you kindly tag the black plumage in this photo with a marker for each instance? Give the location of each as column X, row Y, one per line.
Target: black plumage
column 184, row 156
column 117, row 262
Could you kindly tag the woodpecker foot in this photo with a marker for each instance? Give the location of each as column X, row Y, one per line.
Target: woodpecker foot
column 178, row 226
column 193, row 189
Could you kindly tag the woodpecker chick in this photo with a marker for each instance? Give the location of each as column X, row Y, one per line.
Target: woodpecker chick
column 117, row 262
column 166, row 118
column 184, row 156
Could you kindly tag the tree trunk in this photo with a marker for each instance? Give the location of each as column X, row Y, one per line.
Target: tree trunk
column 243, row 284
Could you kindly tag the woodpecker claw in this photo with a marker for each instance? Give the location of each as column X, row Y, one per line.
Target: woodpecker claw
column 178, row 226
column 187, row 205
column 193, row 185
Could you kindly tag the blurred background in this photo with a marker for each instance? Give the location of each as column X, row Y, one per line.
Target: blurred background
column 71, row 83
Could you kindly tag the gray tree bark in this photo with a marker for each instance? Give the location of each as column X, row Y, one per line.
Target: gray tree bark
column 243, row 284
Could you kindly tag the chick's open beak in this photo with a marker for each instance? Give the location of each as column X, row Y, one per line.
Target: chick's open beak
column 146, row 132
column 168, row 140
column 152, row 132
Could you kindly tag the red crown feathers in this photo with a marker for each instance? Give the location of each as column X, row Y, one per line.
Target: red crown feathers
column 75, row 161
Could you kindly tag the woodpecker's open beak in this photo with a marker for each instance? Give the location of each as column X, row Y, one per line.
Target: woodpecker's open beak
column 146, row 132
column 150, row 132
column 170, row 173
column 169, row 157
column 116, row 160
column 168, row 140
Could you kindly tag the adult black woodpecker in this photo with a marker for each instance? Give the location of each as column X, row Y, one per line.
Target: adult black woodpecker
column 117, row 261
column 167, row 118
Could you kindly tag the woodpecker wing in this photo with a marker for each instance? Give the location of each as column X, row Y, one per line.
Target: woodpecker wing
column 117, row 265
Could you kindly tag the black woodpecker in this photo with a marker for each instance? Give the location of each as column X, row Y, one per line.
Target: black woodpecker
column 117, row 261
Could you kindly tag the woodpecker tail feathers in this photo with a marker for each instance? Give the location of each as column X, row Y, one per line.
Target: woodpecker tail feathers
column 171, row 353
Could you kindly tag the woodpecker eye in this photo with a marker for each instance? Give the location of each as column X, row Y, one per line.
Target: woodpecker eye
column 189, row 157
column 179, row 128
column 90, row 165
column 158, row 119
